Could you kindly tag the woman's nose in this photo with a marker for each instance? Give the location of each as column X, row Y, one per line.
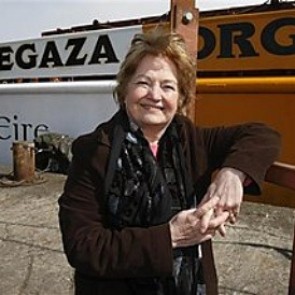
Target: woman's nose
column 155, row 92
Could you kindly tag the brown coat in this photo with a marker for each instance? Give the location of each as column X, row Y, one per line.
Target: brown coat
column 104, row 258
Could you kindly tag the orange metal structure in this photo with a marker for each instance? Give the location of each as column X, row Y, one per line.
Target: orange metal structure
column 246, row 72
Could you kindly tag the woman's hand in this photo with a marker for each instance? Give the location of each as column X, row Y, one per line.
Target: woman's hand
column 185, row 227
column 227, row 185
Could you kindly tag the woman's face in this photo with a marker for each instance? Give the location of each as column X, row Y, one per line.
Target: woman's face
column 152, row 94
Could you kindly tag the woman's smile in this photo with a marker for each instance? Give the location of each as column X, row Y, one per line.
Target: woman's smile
column 151, row 107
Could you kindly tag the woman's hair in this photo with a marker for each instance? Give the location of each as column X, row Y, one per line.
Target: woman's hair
column 159, row 43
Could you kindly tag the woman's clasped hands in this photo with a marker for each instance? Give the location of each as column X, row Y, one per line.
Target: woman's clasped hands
column 221, row 204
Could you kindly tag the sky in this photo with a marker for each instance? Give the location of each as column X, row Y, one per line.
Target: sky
column 27, row 19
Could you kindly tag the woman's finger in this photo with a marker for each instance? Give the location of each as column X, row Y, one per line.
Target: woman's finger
column 205, row 220
column 219, row 220
column 222, row 230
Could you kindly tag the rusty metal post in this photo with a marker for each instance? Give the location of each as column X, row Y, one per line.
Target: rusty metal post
column 283, row 174
column 185, row 21
column 23, row 161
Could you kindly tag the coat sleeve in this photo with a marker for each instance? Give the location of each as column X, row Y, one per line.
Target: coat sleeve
column 90, row 245
column 250, row 147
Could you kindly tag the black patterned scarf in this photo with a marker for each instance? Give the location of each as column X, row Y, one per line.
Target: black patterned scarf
column 145, row 191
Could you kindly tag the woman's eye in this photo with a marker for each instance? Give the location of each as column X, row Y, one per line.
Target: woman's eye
column 142, row 83
column 169, row 87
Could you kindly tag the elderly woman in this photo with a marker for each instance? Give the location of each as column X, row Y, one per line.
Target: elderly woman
column 140, row 204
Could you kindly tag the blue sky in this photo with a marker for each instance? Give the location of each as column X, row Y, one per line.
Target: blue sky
column 22, row 19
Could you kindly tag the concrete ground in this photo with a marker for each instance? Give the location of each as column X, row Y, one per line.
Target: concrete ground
column 254, row 258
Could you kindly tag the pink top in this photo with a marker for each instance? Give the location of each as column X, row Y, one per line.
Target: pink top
column 154, row 149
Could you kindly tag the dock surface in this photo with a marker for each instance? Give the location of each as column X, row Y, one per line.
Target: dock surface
column 253, row 258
